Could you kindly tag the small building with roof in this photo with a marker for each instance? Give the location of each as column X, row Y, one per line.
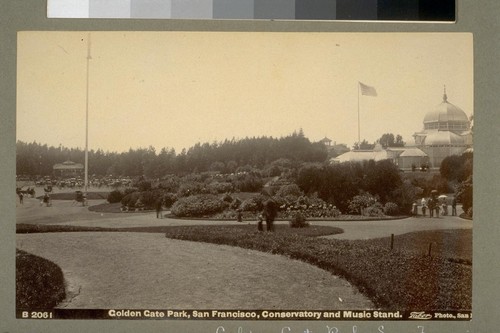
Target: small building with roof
column 377, row 154
column 406, row 158
column 68, row 169
column 326, row 141
column 412, row 158
column 334, row 149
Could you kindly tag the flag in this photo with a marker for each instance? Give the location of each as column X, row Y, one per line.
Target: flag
column 367, row 90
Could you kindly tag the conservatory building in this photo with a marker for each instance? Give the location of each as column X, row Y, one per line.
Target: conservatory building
column 447, row 131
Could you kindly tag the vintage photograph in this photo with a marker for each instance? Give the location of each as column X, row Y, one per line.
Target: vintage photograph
column 244, row 175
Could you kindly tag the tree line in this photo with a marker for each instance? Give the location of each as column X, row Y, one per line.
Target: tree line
column 37, row 159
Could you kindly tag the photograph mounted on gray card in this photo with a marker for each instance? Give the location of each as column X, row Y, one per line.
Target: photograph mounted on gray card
column 311, row 10
column 244, row 175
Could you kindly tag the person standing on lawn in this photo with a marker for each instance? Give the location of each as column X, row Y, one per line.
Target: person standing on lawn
column 158, row 208
column 445, row 208
column 424, row 206
column 270, row 212
column 259, row 223
column 430, row 204
column 454, row 207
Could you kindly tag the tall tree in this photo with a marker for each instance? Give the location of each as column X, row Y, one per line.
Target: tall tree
column 388, row 140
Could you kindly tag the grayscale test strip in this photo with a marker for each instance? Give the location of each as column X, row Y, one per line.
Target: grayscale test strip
column 377, row 10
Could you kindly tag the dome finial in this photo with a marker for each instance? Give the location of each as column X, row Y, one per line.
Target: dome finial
column 445, row 98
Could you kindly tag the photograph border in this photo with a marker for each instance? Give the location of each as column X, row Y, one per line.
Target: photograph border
column 30, row 15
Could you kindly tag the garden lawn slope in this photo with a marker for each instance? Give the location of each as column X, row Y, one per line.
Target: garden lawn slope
column 395, row 280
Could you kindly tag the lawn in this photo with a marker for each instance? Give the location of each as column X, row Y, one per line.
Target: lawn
column 404, row 278
column 454, row 245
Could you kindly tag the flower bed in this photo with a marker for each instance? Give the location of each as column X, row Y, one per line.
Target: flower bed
column 39, row 282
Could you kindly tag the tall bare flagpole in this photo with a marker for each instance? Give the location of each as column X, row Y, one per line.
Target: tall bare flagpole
column 359, row 135
column 87, row 120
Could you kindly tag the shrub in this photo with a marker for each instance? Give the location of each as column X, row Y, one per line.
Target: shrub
column 391, row 209
column 115, row 196
column 39, row 282
column 464, row 194
column 198, row 205
column 308, row 206
column 227, row 198
column 248, row 183
column 298, row 221
column 169, row 199
column 129, row 190
column 404, row 196
column 146, row 198
column 143, row 185
column 292, row 190
column 130, row 199
column 192, row 188
column 358, row 204
column 170, row 184
column 149, row 198
column 253, row 204
column 374, row 210
column 217, row 187
column 235, row 204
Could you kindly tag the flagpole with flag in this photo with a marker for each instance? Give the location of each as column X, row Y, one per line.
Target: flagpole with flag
column 86, row 181
column 365, row 90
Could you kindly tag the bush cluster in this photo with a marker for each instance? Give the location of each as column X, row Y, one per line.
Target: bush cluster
column 340, row 183
column 115, row 196
column 298, row 221
column 464, row 195
column 252, row 204
column 311, row 211
column 248, row 183
column 146, row 199
column 391, row 209
column 375, row 210
column 39, row 282
column 359, row 203
column 198, row 206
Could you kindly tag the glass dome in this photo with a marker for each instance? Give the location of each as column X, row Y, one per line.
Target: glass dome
column 446, row 116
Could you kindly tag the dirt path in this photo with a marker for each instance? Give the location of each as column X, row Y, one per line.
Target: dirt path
column 139, row 270
column 377, row 229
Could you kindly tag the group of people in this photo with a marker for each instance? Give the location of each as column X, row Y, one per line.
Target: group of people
column 46, row 200
column 30, row 192
column 435, row 207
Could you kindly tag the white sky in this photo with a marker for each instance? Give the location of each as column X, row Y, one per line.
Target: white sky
column 173, row 89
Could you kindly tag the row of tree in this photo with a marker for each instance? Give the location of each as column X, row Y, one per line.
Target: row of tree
column 387, row 140
column 226, row 157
